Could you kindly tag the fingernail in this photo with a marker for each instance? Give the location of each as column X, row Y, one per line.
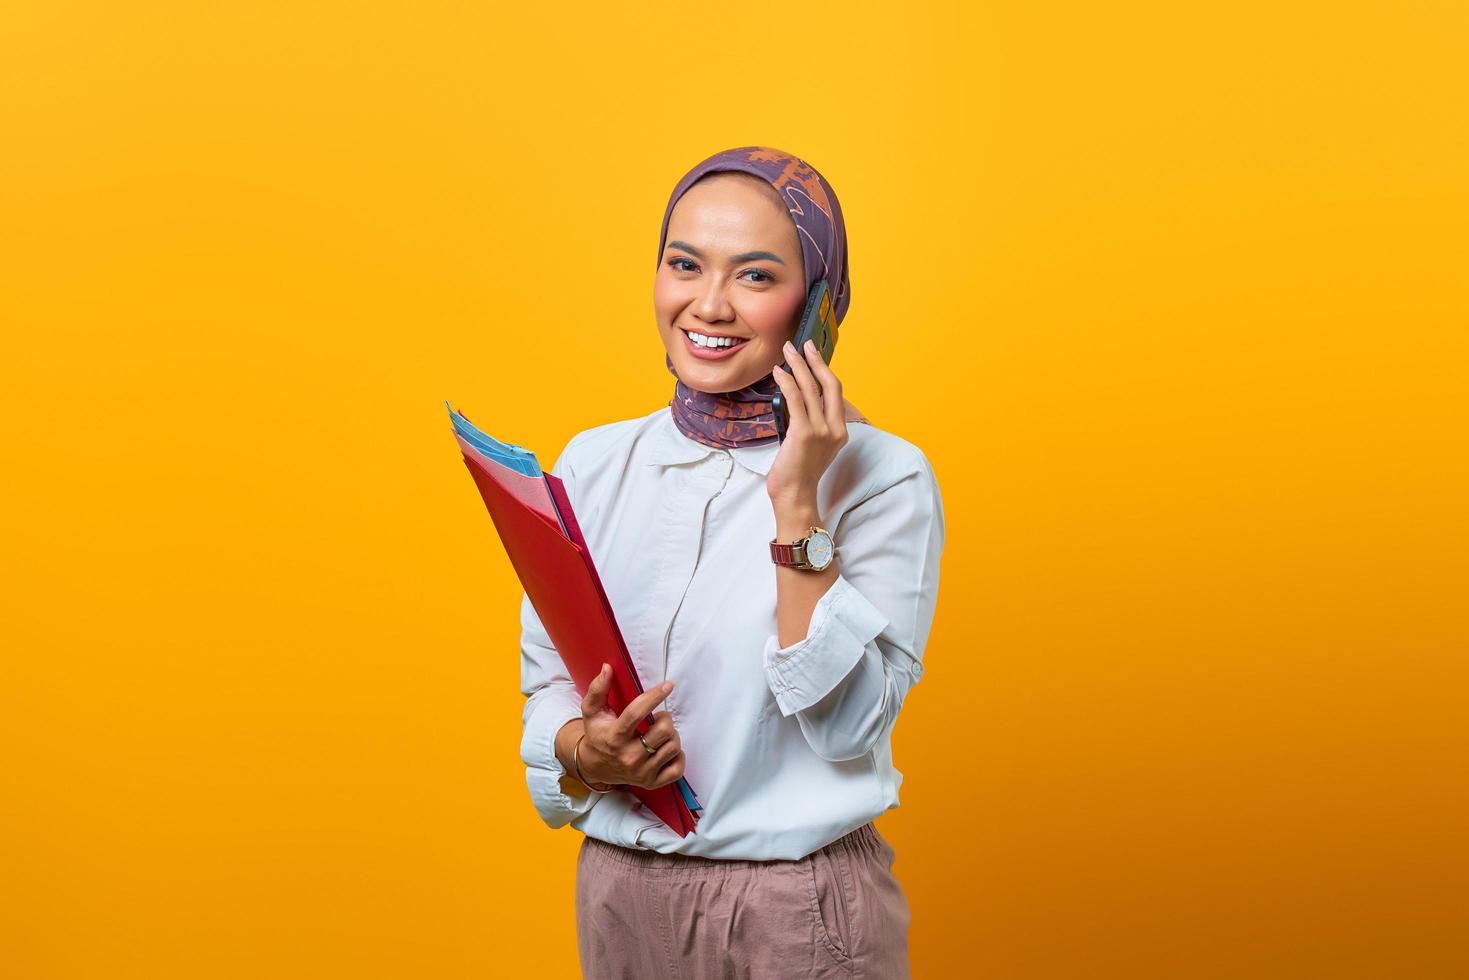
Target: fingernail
column 790, row 347
column 810, row 345
column 667, row 686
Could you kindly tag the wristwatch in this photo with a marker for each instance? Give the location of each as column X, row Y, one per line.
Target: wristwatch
column 813, row 553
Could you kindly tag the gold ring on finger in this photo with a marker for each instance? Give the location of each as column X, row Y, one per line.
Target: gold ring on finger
column 650, row 748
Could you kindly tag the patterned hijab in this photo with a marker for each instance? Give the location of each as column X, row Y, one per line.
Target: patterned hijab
column 745, row 417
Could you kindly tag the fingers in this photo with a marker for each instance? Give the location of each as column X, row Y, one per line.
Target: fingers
column 795, row 402
column 596, row 697
column 637, row 709
column 670, row 772
column 663, row 750
column 660, row 731
column 810, row 387
column 627, row 761
column 650, row 769
column 831, row 390
column 635, row 764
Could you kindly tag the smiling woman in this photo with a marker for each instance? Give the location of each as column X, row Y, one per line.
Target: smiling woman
column 736, row 262
column 731, row 276
column 780, row 668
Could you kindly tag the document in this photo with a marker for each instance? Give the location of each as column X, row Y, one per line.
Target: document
column 541, row 536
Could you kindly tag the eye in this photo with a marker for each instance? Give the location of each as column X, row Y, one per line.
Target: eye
column 691, row 266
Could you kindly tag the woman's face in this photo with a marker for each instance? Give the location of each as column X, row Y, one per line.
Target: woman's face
column 731, row 267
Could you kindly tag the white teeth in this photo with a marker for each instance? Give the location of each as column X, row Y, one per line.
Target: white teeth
column 704, row 341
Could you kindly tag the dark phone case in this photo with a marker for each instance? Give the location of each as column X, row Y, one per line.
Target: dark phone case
column 818, row 326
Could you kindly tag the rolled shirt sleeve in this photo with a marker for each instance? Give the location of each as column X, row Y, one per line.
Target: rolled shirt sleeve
column 863, row 650
column 551, row 701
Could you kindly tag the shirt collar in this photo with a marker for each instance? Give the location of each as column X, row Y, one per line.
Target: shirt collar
column 670, row 446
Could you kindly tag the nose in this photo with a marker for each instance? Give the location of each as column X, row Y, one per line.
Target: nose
column 712, row 304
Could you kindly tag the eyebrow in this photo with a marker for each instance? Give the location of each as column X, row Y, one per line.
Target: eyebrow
column 742, row 257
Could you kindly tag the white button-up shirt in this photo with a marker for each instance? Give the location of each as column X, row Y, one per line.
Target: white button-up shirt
column 787, row 747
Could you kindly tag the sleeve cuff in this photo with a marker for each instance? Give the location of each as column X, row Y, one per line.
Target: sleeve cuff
column 842, row 624
column 543, row 771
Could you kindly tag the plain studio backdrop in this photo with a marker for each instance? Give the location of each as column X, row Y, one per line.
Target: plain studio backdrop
column 1172, row 296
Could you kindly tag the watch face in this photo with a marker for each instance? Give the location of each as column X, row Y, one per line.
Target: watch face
column 818, row 549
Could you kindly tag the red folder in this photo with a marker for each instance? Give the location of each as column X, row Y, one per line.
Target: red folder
column 562, row 583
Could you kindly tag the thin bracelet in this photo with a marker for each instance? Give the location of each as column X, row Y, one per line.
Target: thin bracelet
column 576, row 765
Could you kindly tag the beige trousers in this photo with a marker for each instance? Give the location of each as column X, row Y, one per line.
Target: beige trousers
column 837, row 912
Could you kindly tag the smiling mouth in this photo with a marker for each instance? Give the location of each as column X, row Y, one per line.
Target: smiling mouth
column 712, row 343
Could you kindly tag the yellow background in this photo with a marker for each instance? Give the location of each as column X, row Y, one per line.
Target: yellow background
column 1173, row 296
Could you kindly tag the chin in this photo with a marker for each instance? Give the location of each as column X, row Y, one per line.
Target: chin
column 715, row 381
column 715, row 385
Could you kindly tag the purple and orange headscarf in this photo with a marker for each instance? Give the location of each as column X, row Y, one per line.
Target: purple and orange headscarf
column 745, row 416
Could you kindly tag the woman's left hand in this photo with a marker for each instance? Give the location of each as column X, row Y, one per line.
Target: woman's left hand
column 817, row 430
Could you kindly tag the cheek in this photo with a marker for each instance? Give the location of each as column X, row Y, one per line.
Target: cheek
column 664, row 300
column 773, row 315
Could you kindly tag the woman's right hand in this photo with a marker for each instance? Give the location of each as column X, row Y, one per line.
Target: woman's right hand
column 611, row 752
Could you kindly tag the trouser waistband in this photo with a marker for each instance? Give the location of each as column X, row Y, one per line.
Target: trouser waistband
column 864, row 839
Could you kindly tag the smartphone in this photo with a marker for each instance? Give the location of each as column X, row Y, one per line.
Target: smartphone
column 818, row 326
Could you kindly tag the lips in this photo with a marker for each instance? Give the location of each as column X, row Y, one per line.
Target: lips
column 712, row 353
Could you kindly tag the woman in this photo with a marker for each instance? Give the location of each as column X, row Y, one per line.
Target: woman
column 774, row 687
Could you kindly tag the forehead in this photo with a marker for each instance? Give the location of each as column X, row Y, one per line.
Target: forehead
column 733, row 206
